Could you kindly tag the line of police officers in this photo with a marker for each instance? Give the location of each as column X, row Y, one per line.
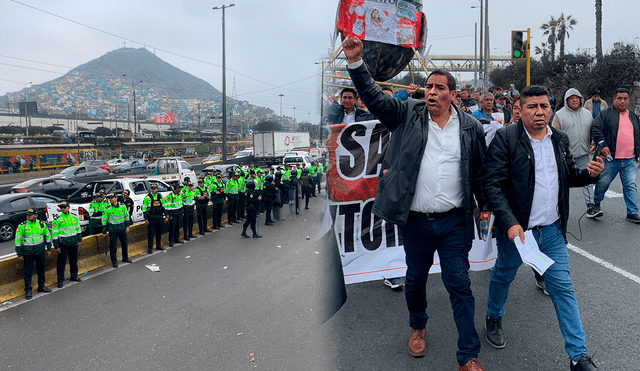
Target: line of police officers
column 249, row 193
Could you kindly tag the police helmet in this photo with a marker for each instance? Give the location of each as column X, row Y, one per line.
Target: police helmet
column 294, row 172
column 278, row 174
column 251, row 184
column 305, row 171
column 269, row 178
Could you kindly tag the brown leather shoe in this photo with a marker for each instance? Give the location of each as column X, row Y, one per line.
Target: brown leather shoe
column 472, row 365
column 418, row 342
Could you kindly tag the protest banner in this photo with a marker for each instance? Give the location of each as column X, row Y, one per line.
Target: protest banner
column 370, row 248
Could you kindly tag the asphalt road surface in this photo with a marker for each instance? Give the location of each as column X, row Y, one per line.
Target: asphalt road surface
column 197, row 315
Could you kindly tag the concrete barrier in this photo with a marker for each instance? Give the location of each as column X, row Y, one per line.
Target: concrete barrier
column 93, row 254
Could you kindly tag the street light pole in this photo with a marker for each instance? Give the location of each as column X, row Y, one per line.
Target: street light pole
column 321, row 98
column 26, row 114
column 224, row 85
column 294, row 114
column 135, row 116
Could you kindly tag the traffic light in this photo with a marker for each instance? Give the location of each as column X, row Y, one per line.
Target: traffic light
column 518, row 45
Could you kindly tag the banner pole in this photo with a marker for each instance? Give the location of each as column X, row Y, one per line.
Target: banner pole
column 420, row 60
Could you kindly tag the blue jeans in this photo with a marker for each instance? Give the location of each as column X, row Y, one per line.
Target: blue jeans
column 422, row 238
column 628, row 170
column 551, row 242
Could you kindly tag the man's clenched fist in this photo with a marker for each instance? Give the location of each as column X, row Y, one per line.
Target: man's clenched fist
column 352, row 49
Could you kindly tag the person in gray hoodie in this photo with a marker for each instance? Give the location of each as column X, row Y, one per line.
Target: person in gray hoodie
column 576, row 121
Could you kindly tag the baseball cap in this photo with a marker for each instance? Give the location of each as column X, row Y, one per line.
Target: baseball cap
column 31, row 212
column 63, row 204
column 126, row 192
column 200, row 180
column 154, row 186
column 111, row 195
column 499, row 96
column 179, row 185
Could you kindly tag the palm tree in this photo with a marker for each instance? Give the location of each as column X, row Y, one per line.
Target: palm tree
column 542, row 49
column 562, row 28
column 549, row 29
column 599, row 30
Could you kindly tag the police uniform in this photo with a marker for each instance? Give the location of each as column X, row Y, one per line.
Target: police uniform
column 188, row 197
column 173, row 206
column 115, row 220
column 242, row 188
column 252, row 203
column 32, row 238
column 66, row 235
column 231, row 190
column 313, row 173
column 201, row 195
column 96, row 209
column 306, row 181
column 270, row 192
column 129, row 204
column 217, row 198
column 154, row 214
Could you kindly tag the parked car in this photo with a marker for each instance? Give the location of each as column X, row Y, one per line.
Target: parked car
column 55, row 187
column 244, row 153
column 79, row 172
column 210, row 159
column 153, row 165
column 102, row 164
column 133, row 165
column 79, row 202
column 295, row 158
column 13, row 210
column 224, row 168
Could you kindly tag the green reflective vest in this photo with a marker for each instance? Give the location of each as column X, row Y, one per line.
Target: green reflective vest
column 115, row 218
column 32, row 238
column 188, row 198
column 173, row 203
column 231, row 187
column 313, row 170
column 66, row 231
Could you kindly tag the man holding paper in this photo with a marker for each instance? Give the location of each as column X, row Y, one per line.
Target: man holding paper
column 528, row 174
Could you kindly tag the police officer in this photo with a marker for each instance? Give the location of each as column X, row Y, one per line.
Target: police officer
column 201, row 195
column 231, row 190
column 306, row 181
column 66, row 236
column 188, row 197
column 154, row 215
column 115, row 220
column 270, row 196
column 252, row 199
column 129, row 204
column 96, row 209
column 313, row 173
column 217, row 198
column 293, row 190
column 319, row 174
column 173, row 206
column 32, row 238
column 242, row 189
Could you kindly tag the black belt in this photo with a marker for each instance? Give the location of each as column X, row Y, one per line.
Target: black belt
column 433, row 216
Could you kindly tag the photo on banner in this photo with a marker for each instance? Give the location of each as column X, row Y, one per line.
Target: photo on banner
column 369, row 247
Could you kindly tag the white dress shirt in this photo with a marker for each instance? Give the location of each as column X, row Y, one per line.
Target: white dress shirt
column 544, row 210
column 439, row 184
column 349, row 118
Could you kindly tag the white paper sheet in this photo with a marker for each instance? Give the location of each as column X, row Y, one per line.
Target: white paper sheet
column 531, row 254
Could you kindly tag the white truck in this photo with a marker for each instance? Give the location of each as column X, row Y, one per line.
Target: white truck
column 270, row 147
column 80, row 200
column 173, row 170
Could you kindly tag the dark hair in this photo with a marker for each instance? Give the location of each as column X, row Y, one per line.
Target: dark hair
column 348, row 90
column 534, row 91
column 419, row 94
column 451, row 81
column 621, row 90
column 388, row 89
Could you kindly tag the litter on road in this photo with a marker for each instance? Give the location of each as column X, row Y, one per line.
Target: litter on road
column 225, row 267
column 153, row 267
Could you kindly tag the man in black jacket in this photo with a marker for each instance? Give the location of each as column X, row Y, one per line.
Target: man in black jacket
column 619, row 130
column 528, row 174
column 434, row 213
column 346, row 111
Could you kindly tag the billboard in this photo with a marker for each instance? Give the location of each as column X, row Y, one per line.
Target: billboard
column 169, row 118
column 31, row 108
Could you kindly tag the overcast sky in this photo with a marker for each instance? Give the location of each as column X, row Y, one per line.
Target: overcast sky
column 271, row 45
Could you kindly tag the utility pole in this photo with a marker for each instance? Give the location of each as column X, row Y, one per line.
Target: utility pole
column 224, row 85
column 135, row 116
column 486, row 43
column 26, row 112
column 294, row 114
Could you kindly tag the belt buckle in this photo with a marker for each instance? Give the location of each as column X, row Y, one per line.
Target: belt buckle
column 430, row 216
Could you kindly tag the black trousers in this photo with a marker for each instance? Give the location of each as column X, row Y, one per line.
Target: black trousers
column 268, row 206
column 217, row 214
column 174, row 228
column 202, row 218
column 240, row 212
column 70, row 252
column 95, row 226
column 232, row 208
column 187, row 221
column 154, row 229
column 39, row 260
column 251, row 220
column 113, row 245
column 306, row 193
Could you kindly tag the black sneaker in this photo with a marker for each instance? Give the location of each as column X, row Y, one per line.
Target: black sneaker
column 542, row 286
column 585, row 363
column 494, row 334
column 597, row 211
column 633, row 218
column 591, row 212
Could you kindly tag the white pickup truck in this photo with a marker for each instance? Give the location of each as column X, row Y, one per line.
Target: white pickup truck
column 80, row 200
column 173, row 170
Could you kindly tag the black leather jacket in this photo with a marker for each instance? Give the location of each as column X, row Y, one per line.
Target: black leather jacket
column 510, row 177
column 408, row 122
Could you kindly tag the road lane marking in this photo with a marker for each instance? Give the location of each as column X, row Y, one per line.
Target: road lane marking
column 605, row 264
